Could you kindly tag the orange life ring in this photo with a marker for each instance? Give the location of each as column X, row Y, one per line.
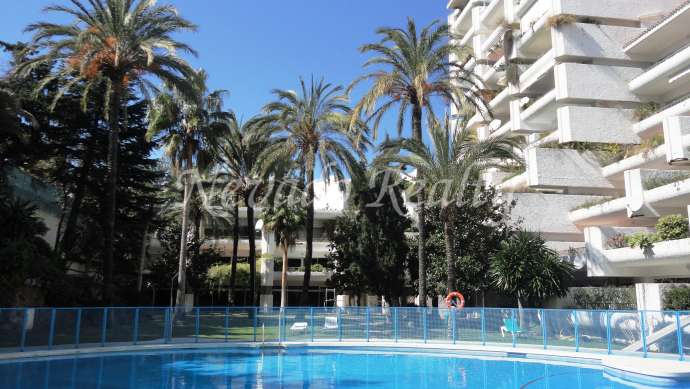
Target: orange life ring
column 455, row 295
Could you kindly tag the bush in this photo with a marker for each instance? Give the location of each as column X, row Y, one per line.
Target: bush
column 642, row 240
column 677, row 298
column 603, row 298
column 672, row 227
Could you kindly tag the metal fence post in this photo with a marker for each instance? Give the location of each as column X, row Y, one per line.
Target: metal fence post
column 311, row 323
column 576, row 324
column 483, row 333
column 424, row 323
column 77, row 330
column 196, row 325
column 135, row 336
column 679, row 337
column 512, row 319
column 367, row 324
column 104, row 326
column 166, row 330
column 51, row 334
column 643, row 331
column 256, row 320
column 25, row 322
column 395, row 324
column 226, row 323
column 340, row 325
column 453, row 321
column 281, row 325
column 608, row 331
column 543, row 328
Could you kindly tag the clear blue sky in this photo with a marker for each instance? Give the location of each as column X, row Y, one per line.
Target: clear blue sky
column 250, row 47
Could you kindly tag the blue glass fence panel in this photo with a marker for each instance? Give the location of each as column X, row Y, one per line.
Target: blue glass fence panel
column 559, row 328
column 500, row 325
column 296, row 324
column 626, row 335
column 649, row 333
column 381, row 323
column 65, row 327
column 120, row 325
column 326, row 323
column 11, row 322
column 91, row 327
column 268, row 324
column 439, row 325
column 591, row 330
column 468, row 325
column 183, row 325
column 353, row 323
column 241, row 324
column 411, row 324
column 38, row 328
column 151, row 328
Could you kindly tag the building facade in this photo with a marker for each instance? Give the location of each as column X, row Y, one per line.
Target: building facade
column 600, row 90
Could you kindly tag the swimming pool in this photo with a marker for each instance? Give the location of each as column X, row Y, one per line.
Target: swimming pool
column 301, row 367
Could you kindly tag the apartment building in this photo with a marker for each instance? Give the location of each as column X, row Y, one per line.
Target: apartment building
column 601, row 92
column 328, row 204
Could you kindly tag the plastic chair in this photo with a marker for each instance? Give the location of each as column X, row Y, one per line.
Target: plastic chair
column 511, row 326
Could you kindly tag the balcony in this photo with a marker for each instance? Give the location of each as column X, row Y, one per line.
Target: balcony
column 654, row 123
column 538, row 78
column 492, row 16
column 668, row 79
column 662, row 38
column 596, row 124
column 535, row 35
column 583, row 83
column 461, row 21
column 593, row 42
column 540, row 116
column 545, row 168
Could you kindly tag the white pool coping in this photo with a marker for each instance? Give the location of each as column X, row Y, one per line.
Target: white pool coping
column 661, row 368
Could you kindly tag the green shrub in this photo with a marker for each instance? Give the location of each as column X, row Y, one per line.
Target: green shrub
column 602, row 297
column 672, row 227
column 645, row 110
column 677, row 298
column 642, row 240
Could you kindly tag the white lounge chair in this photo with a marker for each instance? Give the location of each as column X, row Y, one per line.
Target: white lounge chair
column 299, row 326
column 330, row 322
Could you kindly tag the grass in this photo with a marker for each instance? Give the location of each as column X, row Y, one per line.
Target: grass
column 661, row 180
column 593, row 202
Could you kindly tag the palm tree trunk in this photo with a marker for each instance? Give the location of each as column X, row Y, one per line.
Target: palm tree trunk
column 309, row 230
column 283, row 277
column 421, row 228
column 252, row 251
column 111, row 202
column 450, row 268
column 235, row 244
column 182, row 265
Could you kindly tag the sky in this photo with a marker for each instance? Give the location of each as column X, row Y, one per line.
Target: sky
column 250, row 47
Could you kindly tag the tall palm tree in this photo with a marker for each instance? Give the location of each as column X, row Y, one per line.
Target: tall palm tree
column 189, row 128
column 411, row 70
column 239, row 152
column 285, row 220
column 124, row 43
column 313, row 127
column 449, row 167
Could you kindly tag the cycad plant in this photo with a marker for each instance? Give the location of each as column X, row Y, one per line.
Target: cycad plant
column 410, row 71
column 189, row 129
column 312, row 127
column 122, row 43
column 447, row 168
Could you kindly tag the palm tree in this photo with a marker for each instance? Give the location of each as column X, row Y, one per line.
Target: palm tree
column 312, row 127
column 189, row 129
column 124, row 43
column 411, row 71
column 239, row 152
column 285, row 220
column 451, row 164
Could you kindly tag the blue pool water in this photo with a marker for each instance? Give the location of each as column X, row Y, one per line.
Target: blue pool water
column 298, row 368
